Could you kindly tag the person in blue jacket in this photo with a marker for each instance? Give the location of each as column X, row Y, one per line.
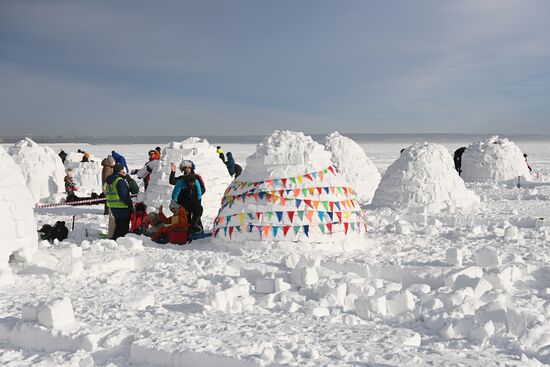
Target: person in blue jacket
column 188, row 194
column 120, row 159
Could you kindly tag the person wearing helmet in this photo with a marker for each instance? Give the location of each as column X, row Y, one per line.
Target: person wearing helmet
column 188, row 194
column 186, row 167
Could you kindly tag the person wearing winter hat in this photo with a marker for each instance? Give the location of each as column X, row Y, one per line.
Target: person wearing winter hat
column 186, row 167
column 219, row 150
column 107, row 170
column 119, row 158
column 119, row 201
column 188, row 194
column 145, row 172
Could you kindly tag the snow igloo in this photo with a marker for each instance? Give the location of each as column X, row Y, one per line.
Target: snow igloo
column 42, row 169
column 208, row 165
column 354, row 165
column 87, row 175
column 290, row 191
column 19, row 236
column 493, row 160
column 422, row 179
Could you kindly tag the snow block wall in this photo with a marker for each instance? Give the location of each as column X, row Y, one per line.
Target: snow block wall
column 423, row 177
column 16, row 215
column 494, row 159
column 290, row 191
column 41, row 167
column 87, row 175
column 208, row 165
column 354, row 165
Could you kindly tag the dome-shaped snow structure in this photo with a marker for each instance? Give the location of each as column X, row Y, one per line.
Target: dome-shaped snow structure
column 208, row 165
column 41, row 167
column 423, row 178
column 290, row 191
column 494, row 159
column 16, row 214
column 354, row 165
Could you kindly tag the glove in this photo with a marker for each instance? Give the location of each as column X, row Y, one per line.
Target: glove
column 134, row 171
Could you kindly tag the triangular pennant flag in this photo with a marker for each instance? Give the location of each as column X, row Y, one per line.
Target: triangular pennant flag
column 250, row 216
column 319, row 190
column 331, row 215
column 337, row 203
column 297, row 192
column 256, row 196
column 314, row 174
column 331, row 169
column 259, row 216
column 346, row 225
column 281, row 193
column 304, row 192
column 339, row 190
column 240, row 228
column 261, row 195
column 311, row 190
column 325, row 204
column 308, row 203
column 298, row 203
column 352, row 226
column 316, row 204
column 301, row 214
column 329, row 227
column 243, row 197
column 284, row 180
column 268, row 182
column 241, row 218
column 221, row 219
column 279, row 216
column 296, row 229
column 332, row 189
column 290, row 215
column 269, row 215
column 259, row 230
column 321, row 215
column 321, row 175
column 276, row 182
column 306, row 230
column 266, row 230
column 283, row 201
column 300, row 179
column 275, row 230
column 269, row 198
column 293, row 180
column 309, row 215
column 228, row 219
column 231, row 231
column 288, row 191
column 345, row 190
column 308, row 176
column 346, row 214
column 322, row 228
column 326, row 189
column 250, row 228
column 275, row 199
column 285, row 230
column 225, row 231
column 331, row 205
column 339, row 215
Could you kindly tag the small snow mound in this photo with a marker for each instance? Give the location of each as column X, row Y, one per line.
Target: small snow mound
column 290, row 191
column 208, row 165
column 285, row 154
column 493, row 160
column 16, row 210
column 354, row 165
column 423, row 177
column 41, row 167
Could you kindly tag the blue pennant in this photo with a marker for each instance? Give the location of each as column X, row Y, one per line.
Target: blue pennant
column 279, row 216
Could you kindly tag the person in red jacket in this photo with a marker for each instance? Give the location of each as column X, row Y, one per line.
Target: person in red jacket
column 175, row 228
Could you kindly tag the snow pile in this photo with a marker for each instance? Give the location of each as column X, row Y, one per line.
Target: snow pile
column 208, row 165
column 290, row 191
column 423, row 177
column 354, row 165
column 16, row 215
column 87, row 175
column 493, row 159
column 41, row 167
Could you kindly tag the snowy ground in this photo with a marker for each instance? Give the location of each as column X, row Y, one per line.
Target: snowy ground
column 398, row 301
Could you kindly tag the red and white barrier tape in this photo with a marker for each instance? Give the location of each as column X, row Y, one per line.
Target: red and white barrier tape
column 72, row 203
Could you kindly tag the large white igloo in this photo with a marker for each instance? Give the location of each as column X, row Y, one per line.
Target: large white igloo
column 208, row 165
column 290, row 191
column 493, row 160
column 354, row 165
column 422, row 179
column 19, row 234
column 42, row 169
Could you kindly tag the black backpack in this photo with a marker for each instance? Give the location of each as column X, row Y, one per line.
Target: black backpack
column 58, row 231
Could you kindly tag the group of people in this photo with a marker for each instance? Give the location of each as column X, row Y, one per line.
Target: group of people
column 126, row 216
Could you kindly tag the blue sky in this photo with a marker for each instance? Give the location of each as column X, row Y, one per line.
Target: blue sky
column 249, row 67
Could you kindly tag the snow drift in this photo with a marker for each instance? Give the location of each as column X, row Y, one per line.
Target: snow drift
column 208, row 165
column 423, row 177
column 354, row 165
column 289, row 191
column 494, row 159
column 16, row 215
column 41, row 167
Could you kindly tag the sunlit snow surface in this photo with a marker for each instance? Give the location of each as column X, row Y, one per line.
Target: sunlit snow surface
column 401, row 300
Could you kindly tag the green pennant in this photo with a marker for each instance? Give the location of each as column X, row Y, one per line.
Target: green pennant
column 269, row 215
column 339, row 190
column 301, row 214
column 305, row 192
column 296, row 229
column 325, row 204
column 251, row 216
column 293, row 180
column 352, row 226
column 322, row 228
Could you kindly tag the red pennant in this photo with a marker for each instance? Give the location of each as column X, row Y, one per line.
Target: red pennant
column 331, row 205
column 339, row 215
column 286, row 229
column 283, row 201
column 329, row 226
column 297, row 192
column 290, row 216
column 346, row 225
column 308, row 176
column 231, row 231
column 259, row 216
column 345, row 190
column 308, row 203
column 320, row 190
column 331, row 169
column 283, row 180
column 281, row 193
column 269, row 182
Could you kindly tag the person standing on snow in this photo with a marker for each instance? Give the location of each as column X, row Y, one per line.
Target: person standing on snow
column 527, row 163
column 63, row 156
column 119, row 201
column 120, row 159
column 457, row 158
column 108, row 164
column 220, row 153
column 145, row 172
column 188, row 194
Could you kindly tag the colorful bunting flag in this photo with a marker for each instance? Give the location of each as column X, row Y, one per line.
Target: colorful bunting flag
column 290, row 216
column 306, row 230
column 279, row 216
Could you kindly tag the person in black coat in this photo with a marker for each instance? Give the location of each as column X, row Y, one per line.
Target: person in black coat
column 189, row 197
column 457, row 158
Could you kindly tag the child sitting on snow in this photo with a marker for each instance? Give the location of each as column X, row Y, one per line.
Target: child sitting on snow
column 175, row 228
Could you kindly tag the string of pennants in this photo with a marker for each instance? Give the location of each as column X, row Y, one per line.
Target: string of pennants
column 240, row 185
column 279, row 215
column 277, row 195
column 265, row 230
